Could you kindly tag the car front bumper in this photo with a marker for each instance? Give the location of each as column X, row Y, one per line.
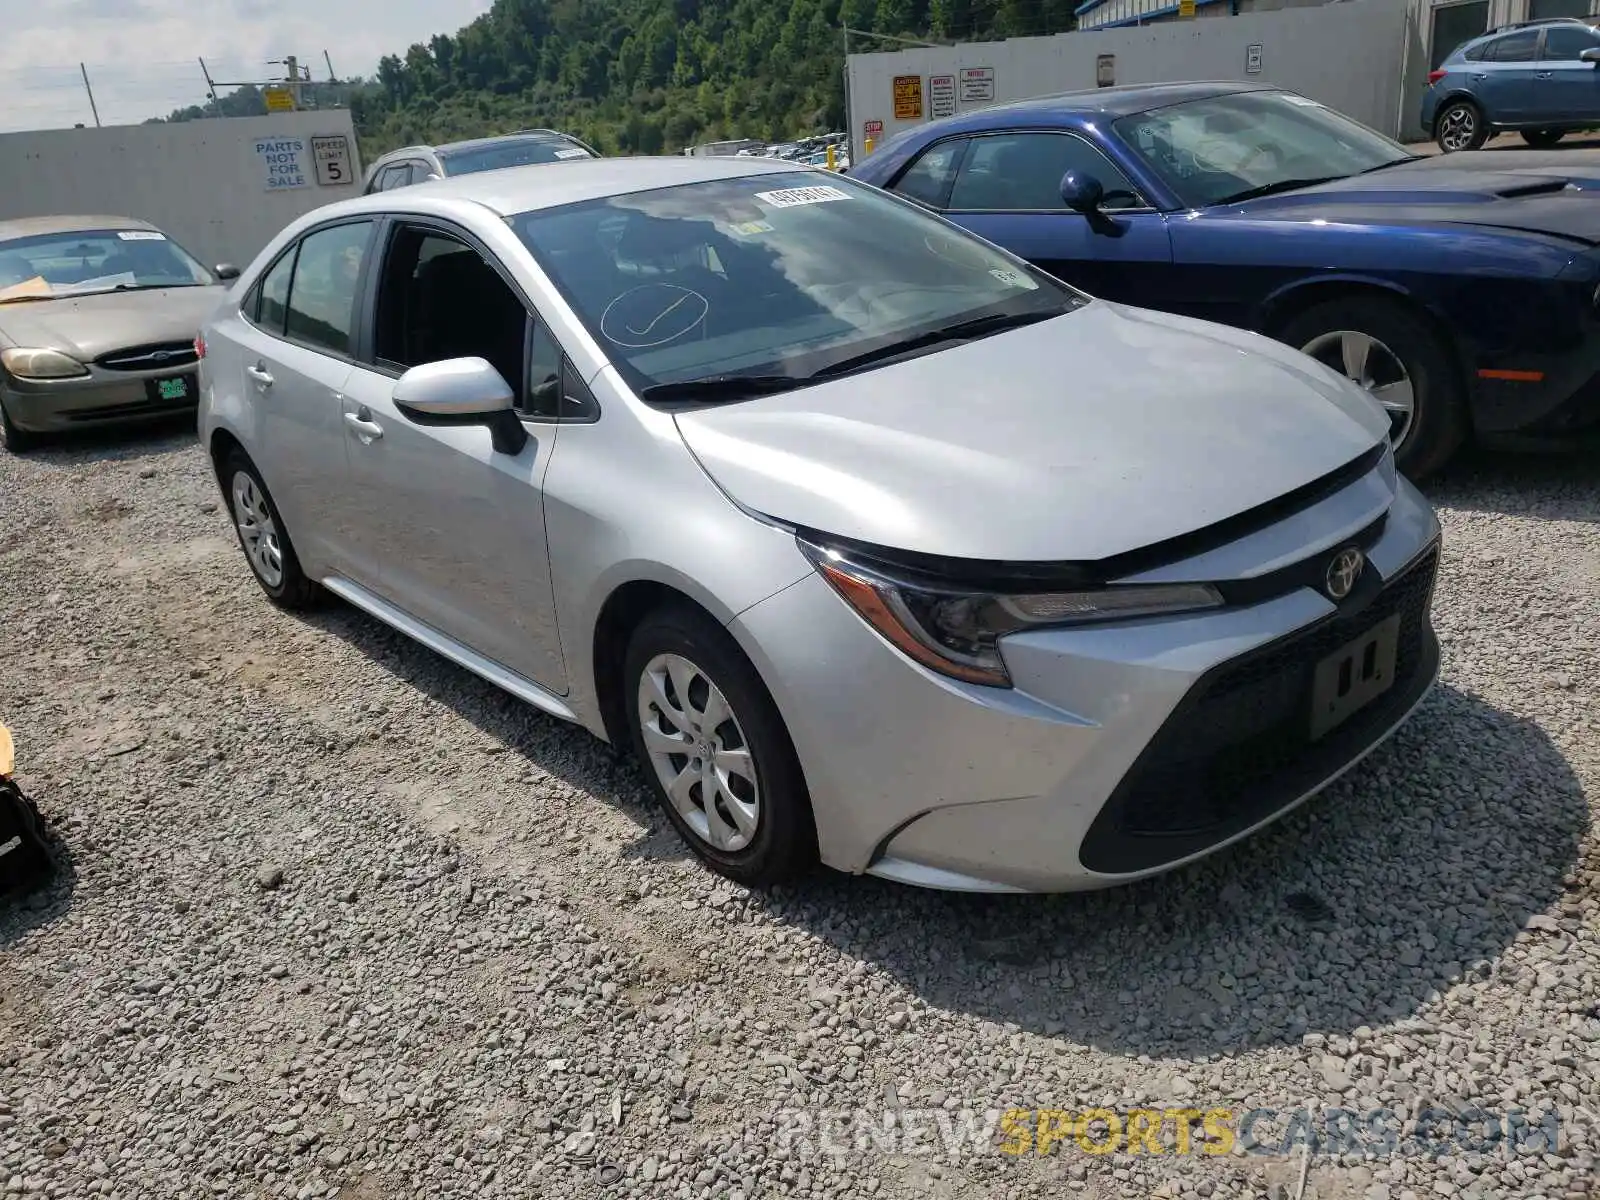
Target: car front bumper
column 1121, row 751
column 103, row 397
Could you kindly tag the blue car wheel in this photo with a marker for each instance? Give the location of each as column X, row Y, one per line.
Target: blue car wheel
column 1460, row 126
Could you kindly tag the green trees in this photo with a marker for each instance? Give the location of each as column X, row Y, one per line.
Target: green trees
column 647, row 76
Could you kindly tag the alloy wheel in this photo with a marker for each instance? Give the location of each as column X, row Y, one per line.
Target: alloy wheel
column 1457, row 129
column 257, row 530
column 699, row 752
column 1365, row 360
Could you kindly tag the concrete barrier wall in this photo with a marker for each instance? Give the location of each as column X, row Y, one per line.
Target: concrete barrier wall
column 222, row 188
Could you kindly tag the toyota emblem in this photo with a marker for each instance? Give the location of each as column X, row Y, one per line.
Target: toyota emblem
column 1343, row 572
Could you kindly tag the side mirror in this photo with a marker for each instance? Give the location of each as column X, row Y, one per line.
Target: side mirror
column 1591, row 55
column 225, row 271
column 1082, row 192
column 462, row 391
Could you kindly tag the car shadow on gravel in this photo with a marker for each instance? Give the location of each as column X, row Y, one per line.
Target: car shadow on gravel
column 1549, row 487
column 115, row 444
column 1416, row 870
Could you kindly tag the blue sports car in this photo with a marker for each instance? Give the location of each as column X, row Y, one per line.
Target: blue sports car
column 1464, row 292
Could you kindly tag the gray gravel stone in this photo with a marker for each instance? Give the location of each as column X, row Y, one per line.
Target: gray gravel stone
column 492, row 941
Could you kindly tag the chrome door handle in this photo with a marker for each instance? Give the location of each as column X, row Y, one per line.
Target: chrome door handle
column 1541, row 74
column 260, row 374
column 367, row 431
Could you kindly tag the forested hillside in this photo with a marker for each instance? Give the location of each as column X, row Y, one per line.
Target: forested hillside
column 645, row 76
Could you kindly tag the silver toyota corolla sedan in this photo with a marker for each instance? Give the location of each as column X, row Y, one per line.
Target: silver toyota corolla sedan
column 872, row 542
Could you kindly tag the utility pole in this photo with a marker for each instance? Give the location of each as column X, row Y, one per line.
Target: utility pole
column 211, row 88
column 332, row 76
column 291, row 68
column 84, row 71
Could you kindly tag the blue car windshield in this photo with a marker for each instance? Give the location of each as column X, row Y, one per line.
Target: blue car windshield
column 785, row 274
column 1223, row 147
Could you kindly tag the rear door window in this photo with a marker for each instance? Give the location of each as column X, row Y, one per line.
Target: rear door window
column 928, row 179
column 1522, row 46
column 327, row 274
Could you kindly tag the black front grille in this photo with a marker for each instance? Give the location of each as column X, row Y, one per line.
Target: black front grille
column 160, row 357
column 1239, row 748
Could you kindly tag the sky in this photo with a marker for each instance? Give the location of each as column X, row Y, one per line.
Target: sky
column 141, row 55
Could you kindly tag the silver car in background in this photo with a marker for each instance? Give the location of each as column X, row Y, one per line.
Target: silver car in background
column 98, row 317
column 873, row 543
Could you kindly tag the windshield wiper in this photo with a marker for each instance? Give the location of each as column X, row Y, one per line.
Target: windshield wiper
column 26, row 299
column 961, row 331
column 1272, row 189
column 722, row 387
column 1393, row 162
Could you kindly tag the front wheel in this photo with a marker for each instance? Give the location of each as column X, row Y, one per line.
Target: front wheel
column 18, row 441
column 1460, row 126
column 1542, row 139
column 1390, row 350
column 715, row 750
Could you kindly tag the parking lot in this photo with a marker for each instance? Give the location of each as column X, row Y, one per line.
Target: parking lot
column 343, row 920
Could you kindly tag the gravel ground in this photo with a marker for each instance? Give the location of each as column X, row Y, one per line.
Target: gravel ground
column 341, row 920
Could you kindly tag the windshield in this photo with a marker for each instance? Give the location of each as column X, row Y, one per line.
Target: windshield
column 772, row 274
column 1220, row 148
column 81, row 262
column 516, row 152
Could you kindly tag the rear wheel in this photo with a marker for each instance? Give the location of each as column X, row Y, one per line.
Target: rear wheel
column 715, row 750
column 1542, row 139
column 1460, row 126
column 263, row 538
column 1391, row 351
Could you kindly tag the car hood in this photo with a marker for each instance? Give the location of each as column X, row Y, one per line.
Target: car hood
column 1547, row 199
column 88, row 326
column 1102, row 431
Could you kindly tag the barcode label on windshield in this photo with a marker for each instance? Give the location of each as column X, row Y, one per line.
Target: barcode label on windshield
column 141, row 235
column 572, row 153
column 795, row 197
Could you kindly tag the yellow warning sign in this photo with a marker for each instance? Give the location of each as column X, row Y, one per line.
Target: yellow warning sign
column 1186, row 8
column 908, row 97
column 279, row 99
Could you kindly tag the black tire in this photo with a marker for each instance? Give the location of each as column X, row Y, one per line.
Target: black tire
column 1453, row 115
column 1542, row 139
column 18, row 441
column 1439, row 422
column 293, row 590
column 784, row 844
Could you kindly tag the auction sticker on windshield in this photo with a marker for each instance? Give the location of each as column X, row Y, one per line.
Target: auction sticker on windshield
column 141, row 235
column 795, row 197
column 574, row 153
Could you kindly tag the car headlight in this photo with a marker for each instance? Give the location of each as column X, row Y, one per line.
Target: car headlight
column 41, row 364
column 956, row 630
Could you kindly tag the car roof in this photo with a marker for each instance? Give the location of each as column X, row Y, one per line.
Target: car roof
column 1121, row 101
column 513, row 190
column 1522, row 26
column 22, row 227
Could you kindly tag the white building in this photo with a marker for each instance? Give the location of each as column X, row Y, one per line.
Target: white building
column 1445, row 24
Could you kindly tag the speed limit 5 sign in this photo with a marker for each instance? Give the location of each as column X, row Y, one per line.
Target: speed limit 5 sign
column 332, row 157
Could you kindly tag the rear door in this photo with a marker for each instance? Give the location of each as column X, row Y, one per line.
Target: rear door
column 295, row 357
column 1007, row 188
column 1568, row 89
column 1511, row 85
